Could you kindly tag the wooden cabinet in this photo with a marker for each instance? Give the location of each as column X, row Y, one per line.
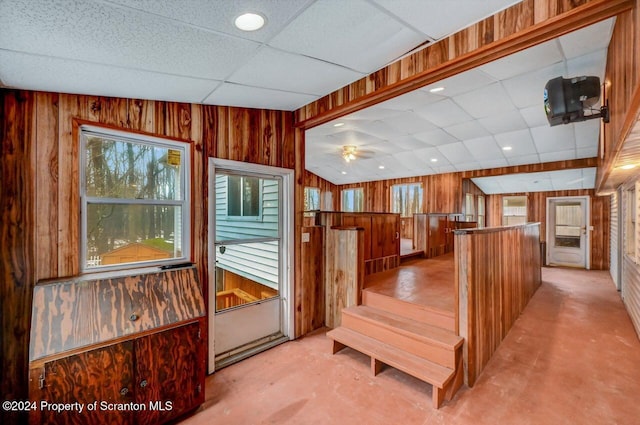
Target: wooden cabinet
column 145, row 367
column 385, row 236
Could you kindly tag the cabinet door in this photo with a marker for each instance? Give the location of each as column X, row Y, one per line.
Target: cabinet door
column 104, row 375
column 384, row 236
column 170, row 372
column 364, row 221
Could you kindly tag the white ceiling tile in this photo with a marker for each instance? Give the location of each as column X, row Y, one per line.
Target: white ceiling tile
column 539, row 56
column 274, row 69
column 520, row 142
column 443, row 113
column 558, row 156
column 552, row 139
column 255, row 97
column 355, row 137
column 372, row 113
column 587, row 133
column 589, row 39
column 220, row 17
column 456, row 153
column 593, row 64
column 437, row 19
column 462, row 83
column 427, row 154
column 503, row 123
column 87, row 78
column 410, row 161
column 494, row 163
column 435, row 137
column 380, row 129
column 355, row 34
column 534, row 116
column 126, row 38
column 408, row 143
column 468, row 166
column 528, row 89
column 485, row 101
column 410, row 123
column 523, row 159
column 467, row 130
column 410, row 101
column 384, row 147
column 484, row 148
column 445, row 169
column 590, row 152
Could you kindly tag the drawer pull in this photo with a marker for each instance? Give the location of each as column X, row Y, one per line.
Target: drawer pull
column 124, row 391
column 133, row 317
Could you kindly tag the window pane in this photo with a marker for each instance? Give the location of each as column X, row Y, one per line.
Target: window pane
column 131, row 170
column 311, row 198
column 119, row 234
column 406, row 199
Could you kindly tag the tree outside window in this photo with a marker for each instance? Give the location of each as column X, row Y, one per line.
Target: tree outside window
column 406, row 199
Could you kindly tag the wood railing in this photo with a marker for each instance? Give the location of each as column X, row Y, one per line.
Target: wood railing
column 497, row 272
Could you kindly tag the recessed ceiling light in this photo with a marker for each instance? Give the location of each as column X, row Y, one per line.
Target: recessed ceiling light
column 344, row 172
column 434, row 159
column 436, row 89
column 249, row 22
column 507, row 148
column 628, row 166
column 381, row 167
column 338, row 124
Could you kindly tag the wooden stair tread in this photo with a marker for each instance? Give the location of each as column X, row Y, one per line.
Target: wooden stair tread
column 419, row 331
column 413, row 365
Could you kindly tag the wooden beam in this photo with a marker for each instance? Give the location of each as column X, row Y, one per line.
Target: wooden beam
column 533, row 168
column 581, row 16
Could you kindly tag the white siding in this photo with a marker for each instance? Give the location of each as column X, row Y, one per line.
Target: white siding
column 257, row 261
column 613, row 249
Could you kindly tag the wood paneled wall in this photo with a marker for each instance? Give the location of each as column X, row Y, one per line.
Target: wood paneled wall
column 40, row 180
column 313, row 180
column 312, row 280
column 441, row 192
column 622, row 90
column 537, row 212
column 498, row 271
column 520, row 26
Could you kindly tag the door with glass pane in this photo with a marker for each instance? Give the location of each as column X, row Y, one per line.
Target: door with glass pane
column 247, row 260
column 567, row 235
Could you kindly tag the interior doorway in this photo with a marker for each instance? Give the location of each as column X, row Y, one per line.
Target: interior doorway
column 250, row 259
column 568, row 231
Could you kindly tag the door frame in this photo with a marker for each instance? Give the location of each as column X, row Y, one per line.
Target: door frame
column 287, row 240
column 587, row 223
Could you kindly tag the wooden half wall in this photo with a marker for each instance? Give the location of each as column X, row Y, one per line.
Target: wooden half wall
column 498, row 271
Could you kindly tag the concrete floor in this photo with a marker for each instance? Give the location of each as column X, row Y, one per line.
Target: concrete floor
column 573, row 357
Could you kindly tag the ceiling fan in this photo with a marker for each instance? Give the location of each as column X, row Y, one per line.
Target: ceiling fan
column 351, row 152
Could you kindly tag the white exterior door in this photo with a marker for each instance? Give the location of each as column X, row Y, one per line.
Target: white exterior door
column 568, row 232
column 248, row 263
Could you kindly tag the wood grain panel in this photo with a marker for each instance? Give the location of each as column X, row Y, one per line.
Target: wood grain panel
column 498, row 271
column 103, row 375
column 175, row 373
column 325, row 186
column 344, row 272
column 17, row 232
column 537, row 212
column 76, row 313
column 312, row 300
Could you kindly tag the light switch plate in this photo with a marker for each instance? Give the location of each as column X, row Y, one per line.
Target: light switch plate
column 305, row 237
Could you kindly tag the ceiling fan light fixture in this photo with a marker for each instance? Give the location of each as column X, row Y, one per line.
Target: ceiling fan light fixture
column 249, row 22
column 349, row 153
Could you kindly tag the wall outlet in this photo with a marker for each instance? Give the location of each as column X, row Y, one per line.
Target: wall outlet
column 305, row 237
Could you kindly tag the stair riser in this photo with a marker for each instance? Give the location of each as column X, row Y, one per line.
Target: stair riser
column 418, row 313
column 388, row 335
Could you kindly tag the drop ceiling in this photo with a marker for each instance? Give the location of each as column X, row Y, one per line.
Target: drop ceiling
column 469, row 124
column 189, row 51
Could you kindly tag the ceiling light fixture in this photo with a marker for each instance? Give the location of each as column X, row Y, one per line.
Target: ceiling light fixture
column 436, row 89
column 344, row 172
column 249, row 22
column 338, row 124
column 434, row 159
column 349, row 153
column 507, row 148
column 381, row 167
column 628, row 166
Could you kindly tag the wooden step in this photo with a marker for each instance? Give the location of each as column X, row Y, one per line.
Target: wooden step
column 429, row 342
column 441, row 378
column 420, row 313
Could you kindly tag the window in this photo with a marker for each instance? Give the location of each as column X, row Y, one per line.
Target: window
column 406, row 199
column 469, row 213
column 353, row 200
column 481, row 213
column 514, row 210
column 311, row 198
column 135, row 204
column 243, row 196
